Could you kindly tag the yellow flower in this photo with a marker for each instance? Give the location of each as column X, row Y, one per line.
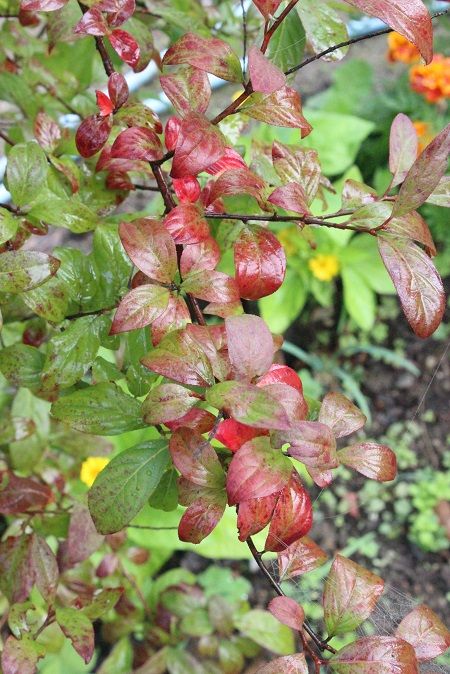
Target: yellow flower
column 432, row 81
column 401, row 49
column 324, row 267
column 91, row 468
column 424, row 134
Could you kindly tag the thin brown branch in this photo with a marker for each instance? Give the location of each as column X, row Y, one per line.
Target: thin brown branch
column 306, row 219
column 6, row 138
column 148, row 188
column 107, row 63
column 52, row 92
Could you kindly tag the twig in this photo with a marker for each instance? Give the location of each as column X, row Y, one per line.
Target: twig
column 149, row 188
column 6, row 138
column 150, row 528
column 306, row 219
column 107, row 63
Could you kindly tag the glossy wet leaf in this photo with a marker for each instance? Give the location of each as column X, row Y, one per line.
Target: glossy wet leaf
column 292, row 517
column 287, row 611
column 137, row 142
column 375, row 655
column 260, row 263
column 300, row 557
column 263, row 628
column 250, row 346
column 25, row 269
column 188, row 89
column 26, row 172
column 426, row 632
column 202, row 515
column 195, row 458
column 209, row 54
column 140, row 307
column 181, row 358
column 254, row 515
column 289, row 664
column 150, row 247
column 377, row 462
column 264, row 75
column 282, row 108
column 125, row 46
column 341, row 415
column 403, row 147
column 167, row 402
column 186, row 224
column 199, row 145
column 22, row 494
column 92, row 134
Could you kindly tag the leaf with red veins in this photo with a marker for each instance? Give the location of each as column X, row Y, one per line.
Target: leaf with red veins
column 167, row 402
column 104, row 103
column 341, row 415
column 137, row 142
column 197, row 419
column 229, row 160
column 282, row 108
column 199, row 145
column 426, row 633
column 188, row 89
column 375, row 655
column 288, row 612
column 233, row 434
column 291, row 399
column 281, row 374
column 211, row 286
column 175, row 317
column 265, row 77
column 257, row 470
column 297, row 165
column 412, row 226
column 150, row 247
column 255, row 514
column 196, row 460
column 237, row 181
column 267, row 9
column 139, row 308
column 181, row 358
column 350, row 595
column 78, row 628
column 312, row 443
column 118, row 89
column 187, row 189
column 291, row 197
column 171, row 133
column 186, row 224
column 259, row 261
column 203, row 256
column 248, row 404
column 288, row 664
column 403, row 148
column 377, row 462
column 202, row 516
column 118, row 11
column 300, row 557
column 250, row 346
column 410, row 18
column 212, row 55
column 47, row 132
column 41, row 5
column 22, row 494
column 92, row 134
column 125, row 46
column 92, row 23
column 322, row 478
column 424, row 175
column 292, row 517
column 417, row 282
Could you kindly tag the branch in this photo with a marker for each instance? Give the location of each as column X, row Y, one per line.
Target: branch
column 107, row 63
column 347, row 43
column 6, row 138
column 306, row 219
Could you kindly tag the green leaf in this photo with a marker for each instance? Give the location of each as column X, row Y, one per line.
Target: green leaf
column 59, row 211
column 248, row 404
column 125, row 485
column 25, row 269
column 8, row 225
column 288, row 43
column 20, row 656
column 359, row 299
column 102, row 603
column 165, row 496
column 102, row 409
column 323, row 28
column 26, row 172
column 21, row 365
column 267, row 631
column 111, row 267
column 281, row 308
column 78, row 628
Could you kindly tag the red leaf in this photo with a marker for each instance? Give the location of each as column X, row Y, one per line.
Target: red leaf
column 259, row 261
column 288, row 664
column 254, row 515
column 22, row 494
column 417, row 282
column 209, row 54
column 82, row 539
column 380, row 655
column 41, row 5
column 175, row 317
column 139, row 308
column 424, row 175
column 292, row 517
column 137, row 142
column 200, row 256
column 187, row 189
column 376, row 462
column 288, row 612
column 236, row 181
column 403, row 147
column 291, row 197
column 250, row 346
column 150, row 247
column 281, row 374
column 118, row 89
column 115, row 180
column 211, row 286
column 92, row 23
column 125, row 46
column 171, row 133
column 47, row 132
column 92, row 134
column 300, row 557
column 264, row 75
column 202, row 516
column 256, row 470
column 351, row 593
column 233, row 434
column 196, row 460
column 198, row 419
column 188, row 90
column 426, row 633
column 341, row 415
column 282, row 108
column 412, row 226
column 119, row 11
column 291, row 399
column 410, row 18
column 229, row 160
column 186, row 224
column 312, row 443
column 104, row 103
column 267, row 9
column 167, row 402
column 199, row 145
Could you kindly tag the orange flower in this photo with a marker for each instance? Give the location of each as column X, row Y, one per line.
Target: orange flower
column 432, row 81
column 401, row 49
column 424, row 134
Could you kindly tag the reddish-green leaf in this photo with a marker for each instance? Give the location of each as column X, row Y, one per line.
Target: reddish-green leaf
column 250, row 346
column 281, row 374
column 92, row 134
column 264, row 75
column 288, row 612
column 202, row 515
column 417, row 282
column 211, row 286
column 92, row 23
column 44, row 567
column 255, row 514
column 196, row 460
column 248, row 404
column 20, row 656
column 426, row 633
column 236, row 180
column 412, row 226
column 341, row 415
column 187, row 224
column 22, row 494
column 288, row 664
column 199, row 145
column 298, row 165
column 259, row 261
column 403, row 147
column 291, row 399
column 312, row 443
column 231, row 159
column 282, row 108
column 125, row 46
column 350, row 595
column 150, row 247
column 175, row 317
column 25, row 269
column 375, row 655
column 300, row 557
column 139, row 308
column 410, row 18
column 118, row 89
column 267, row 9
column 167, row 402
column 47, row 132
column 16, row 580
column 200, row 257
column 233, row 434
column 82, row 538
column 440, row 196
column 376, row 462
column 371, row 216
column 78, row 628
column 188, row 90
column 187, row 189
column 257, row 470
column 291, row 197
column 209, row 54
column 137, row 142
column 292, row 517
